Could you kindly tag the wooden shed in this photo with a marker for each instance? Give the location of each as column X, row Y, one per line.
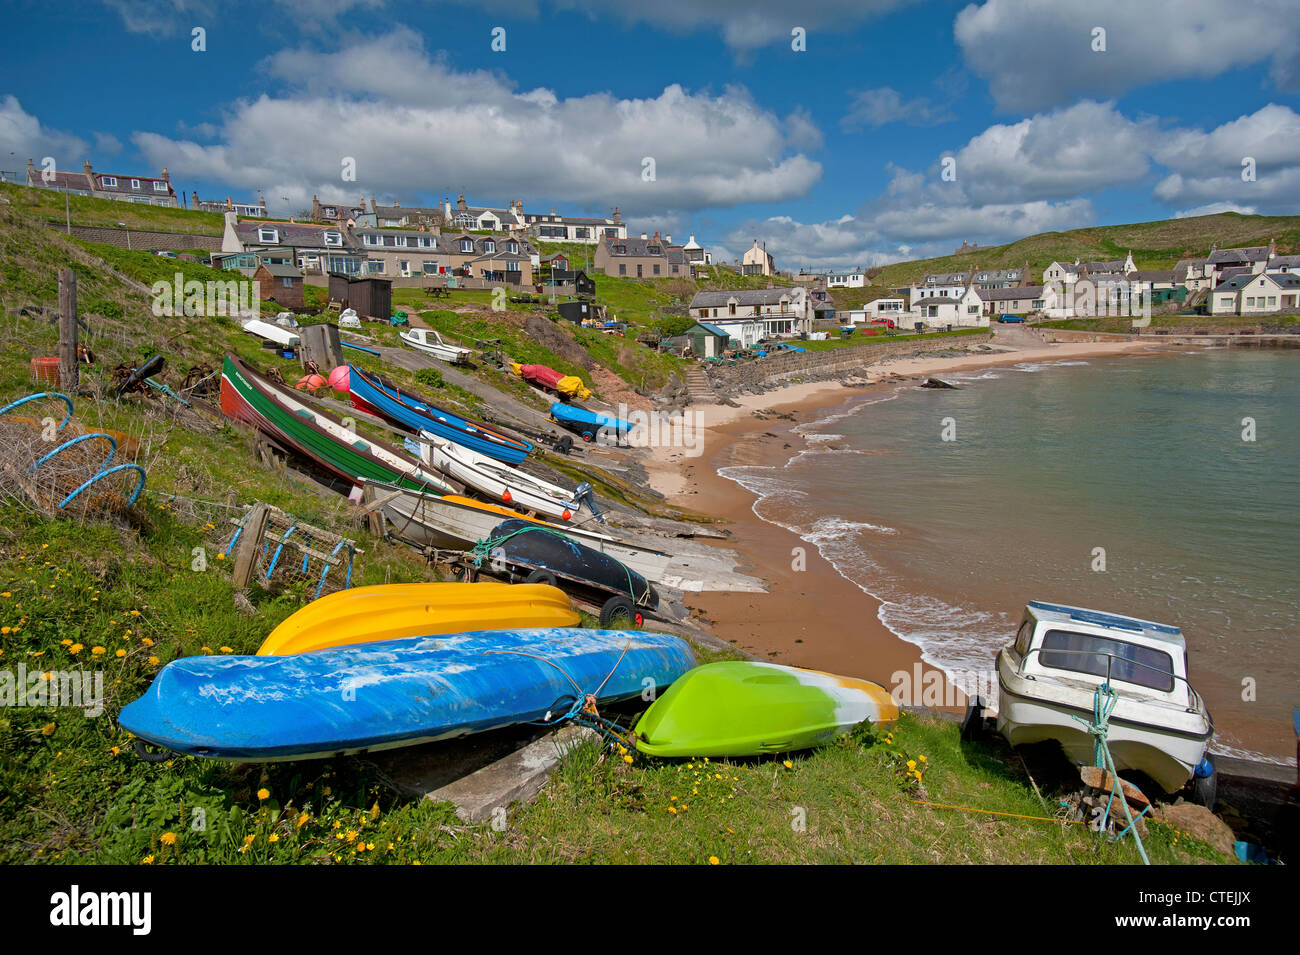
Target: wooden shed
column 281, row 284
column 369, row 296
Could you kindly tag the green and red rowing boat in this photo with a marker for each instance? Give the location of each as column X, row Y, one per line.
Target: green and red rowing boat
column 314, row 434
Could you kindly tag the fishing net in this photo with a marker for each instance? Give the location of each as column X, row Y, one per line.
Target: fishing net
column 52, row 463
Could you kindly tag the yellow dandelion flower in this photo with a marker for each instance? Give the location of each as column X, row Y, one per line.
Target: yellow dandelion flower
column 911, row 764
column 153, row 661
column 273, row 838
column 147, row 860
column 673, row 810
column 120, row 653
column 263, row 794
column 75, row 648
column 787, row 764
column 134, row 613
column 97, row 651
column 168, row 838
column 47, row 729
column 65, row 643
column 302, row 820
column 146, row 641
column 713, row 860
column 227, row 650
column 627, row 759
column 922, row 759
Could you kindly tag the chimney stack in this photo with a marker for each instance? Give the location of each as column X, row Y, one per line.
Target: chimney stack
column 86, row 167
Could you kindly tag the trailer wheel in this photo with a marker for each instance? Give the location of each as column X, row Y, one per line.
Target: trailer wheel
column 540, row 577
column 619, row 612
column 588, row 436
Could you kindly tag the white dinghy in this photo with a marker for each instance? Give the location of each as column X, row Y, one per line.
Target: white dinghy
column 496, row 481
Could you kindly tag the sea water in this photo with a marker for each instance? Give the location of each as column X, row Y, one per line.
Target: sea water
column 1165, row 487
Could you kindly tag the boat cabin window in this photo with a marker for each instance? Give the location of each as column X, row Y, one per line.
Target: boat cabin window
column 1024, row 637
column 1103, row 656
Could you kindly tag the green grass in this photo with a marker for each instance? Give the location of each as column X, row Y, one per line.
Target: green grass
column 48, row 206
column 1124, row 324
column 858, row 340
column 1155, row 245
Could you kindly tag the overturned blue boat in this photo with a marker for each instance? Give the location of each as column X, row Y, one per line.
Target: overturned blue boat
column 589, row 424
column 392, row 693
column 378, row 396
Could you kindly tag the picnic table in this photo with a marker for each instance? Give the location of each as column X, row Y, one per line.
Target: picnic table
column 437, row 291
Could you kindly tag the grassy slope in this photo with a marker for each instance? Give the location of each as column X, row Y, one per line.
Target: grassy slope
column 48, row 206
column 1155, row 245
column 70, row 791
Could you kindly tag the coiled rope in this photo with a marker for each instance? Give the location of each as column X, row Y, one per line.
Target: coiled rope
column 1104, row 699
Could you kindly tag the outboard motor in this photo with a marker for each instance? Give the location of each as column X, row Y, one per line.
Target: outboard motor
column 583, row 494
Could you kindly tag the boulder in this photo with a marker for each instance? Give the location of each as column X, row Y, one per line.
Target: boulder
column 1199, row 823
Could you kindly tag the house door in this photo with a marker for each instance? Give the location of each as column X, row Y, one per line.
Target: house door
column 638, row 271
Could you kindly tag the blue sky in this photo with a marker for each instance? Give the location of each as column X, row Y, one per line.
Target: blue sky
column 833, row 155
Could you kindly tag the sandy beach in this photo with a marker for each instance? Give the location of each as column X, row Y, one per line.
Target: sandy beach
column 812, row 616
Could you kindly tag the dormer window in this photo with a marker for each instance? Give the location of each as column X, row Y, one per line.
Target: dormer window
column 513, row 247
column 135, row 183
column 620, row 250
column 110, row 181
column 467, row 245
column 159, row 186
column 333, row 238
column 369, row 239
column 268, row 235
column 489, row 245
column 654, row 250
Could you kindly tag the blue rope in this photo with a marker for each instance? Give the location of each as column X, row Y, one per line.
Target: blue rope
column 1104, row 699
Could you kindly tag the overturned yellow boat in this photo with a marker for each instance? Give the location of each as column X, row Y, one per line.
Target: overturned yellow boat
column 396, row 611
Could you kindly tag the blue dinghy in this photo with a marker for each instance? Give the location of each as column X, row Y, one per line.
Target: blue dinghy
column 392, row 693
column 588, row 423
column 374, row 394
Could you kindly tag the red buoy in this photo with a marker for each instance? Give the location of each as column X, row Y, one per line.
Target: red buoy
column 568, row 514
column 505, row 496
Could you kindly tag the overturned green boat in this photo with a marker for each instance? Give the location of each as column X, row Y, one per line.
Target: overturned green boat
column 746, row 708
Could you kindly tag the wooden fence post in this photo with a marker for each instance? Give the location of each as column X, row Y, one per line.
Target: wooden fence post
column 69, row 373
column 250, row 545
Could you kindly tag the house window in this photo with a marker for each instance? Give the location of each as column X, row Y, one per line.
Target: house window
column 109, row 181
column 369, row 239
column 286, row 282
column 375, row 266
column 466, row 245
column 731, row 308
column 430, row 268
column 580, row 233
column 135, row 183
column 512, row 266
column 159, row 186
column 622, row 268
column 268, row 235
column 656, row 269
column 489, row 245
column 512, row 248
column 620, row 250
column 333, row 238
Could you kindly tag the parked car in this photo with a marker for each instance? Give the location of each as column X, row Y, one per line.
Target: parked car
column 1008, row 319
column 887, row 322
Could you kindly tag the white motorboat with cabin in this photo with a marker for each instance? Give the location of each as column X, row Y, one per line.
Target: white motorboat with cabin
column 1048, row 677
column 430, row 342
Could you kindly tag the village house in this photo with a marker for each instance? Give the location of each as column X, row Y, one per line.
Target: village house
column 317, row 249
column 281, row 284
column 1017, row 300
column 402, row 253
column 1256, row 294
column 334, row 214
column 248, row 210
column 848, row 278
column 483, row 218
column 877, row 309
column 496, row 258
column 146, row 190
column 1194, row 274
column 940, row 285
column 553, row 227
column 1255, row 258
column 646, row 257
column 779, row 312
column 1000, row 278
column 947, row 311
column 696, row 254
column 757, row 261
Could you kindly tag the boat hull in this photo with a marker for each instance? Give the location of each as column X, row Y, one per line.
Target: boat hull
column 449, row 353
column 377, row 397
column 253, row 400
column 523, row 544
column 397, row 611
column 428, row 520
column 589, row 424
column 747, row 708
column 1162, row 742
column 489, row 478
column 393, row 693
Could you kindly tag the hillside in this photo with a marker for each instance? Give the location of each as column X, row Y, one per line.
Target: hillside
column 1155, row 245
